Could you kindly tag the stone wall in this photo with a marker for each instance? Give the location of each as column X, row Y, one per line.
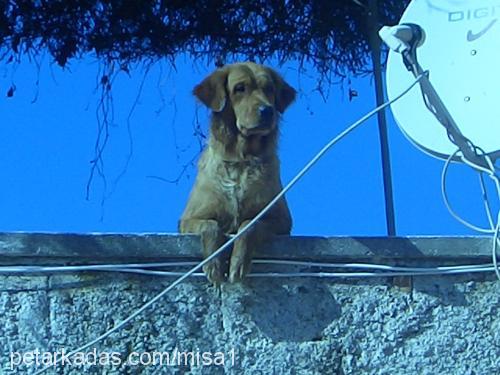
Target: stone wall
column 433, row 325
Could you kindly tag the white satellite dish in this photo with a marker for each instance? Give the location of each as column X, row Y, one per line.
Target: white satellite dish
column 461, row 51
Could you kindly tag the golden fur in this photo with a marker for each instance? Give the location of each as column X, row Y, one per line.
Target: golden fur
column 239, row 171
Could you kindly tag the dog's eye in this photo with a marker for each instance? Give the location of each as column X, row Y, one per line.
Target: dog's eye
column 239, row 88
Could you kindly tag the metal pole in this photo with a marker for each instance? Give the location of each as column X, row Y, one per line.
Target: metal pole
column 382, row 122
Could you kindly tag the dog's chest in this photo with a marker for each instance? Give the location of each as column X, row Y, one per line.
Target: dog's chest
column 239, row 178
column 241, row 183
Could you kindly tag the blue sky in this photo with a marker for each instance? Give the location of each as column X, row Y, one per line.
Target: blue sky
column 47, row 144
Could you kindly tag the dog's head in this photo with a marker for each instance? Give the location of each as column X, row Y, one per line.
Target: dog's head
column 254, row 93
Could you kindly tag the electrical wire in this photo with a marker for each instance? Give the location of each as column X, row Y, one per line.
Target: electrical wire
column 301, row 173
column 368, row 274
column 322, row 274
column 471, row 154
column 363, row 265
column 494, row 228
column 89, row 267
column 446, row 200
column 495, row 245
column 486, row 200
column 143, row 268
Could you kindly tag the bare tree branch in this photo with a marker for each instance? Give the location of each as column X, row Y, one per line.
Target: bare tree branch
column 330, row 34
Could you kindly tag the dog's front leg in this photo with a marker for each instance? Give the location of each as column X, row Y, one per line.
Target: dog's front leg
column 244, row 247
column 211, row 239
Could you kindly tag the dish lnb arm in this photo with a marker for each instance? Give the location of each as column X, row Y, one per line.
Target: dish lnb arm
column 403, row 37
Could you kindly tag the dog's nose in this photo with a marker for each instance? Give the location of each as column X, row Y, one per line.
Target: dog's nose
column 266, row 112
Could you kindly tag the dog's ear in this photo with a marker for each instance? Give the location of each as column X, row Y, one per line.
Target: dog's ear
column 212, row 90
column 285, row 94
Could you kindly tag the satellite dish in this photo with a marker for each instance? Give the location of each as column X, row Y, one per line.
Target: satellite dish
column 461, row 51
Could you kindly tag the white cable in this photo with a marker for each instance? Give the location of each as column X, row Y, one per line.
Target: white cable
column 494, row 228
column 89, row 267
column 398, row 39
column 244, row 229
column 488, row 268
column 323, row 274
column 444, row 193
column 143, row 268
column 417, row 272
column 486, row 202
column 156, row 273
column 368, row 265
column 494, row 247
column 367, row 274
column 389, row 271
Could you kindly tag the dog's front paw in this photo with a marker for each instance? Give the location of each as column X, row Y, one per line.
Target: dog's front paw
column 240, row 267
column 214, row 271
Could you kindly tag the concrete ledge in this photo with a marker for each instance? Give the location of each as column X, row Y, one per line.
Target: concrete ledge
column 124, row 247
column 442, row 325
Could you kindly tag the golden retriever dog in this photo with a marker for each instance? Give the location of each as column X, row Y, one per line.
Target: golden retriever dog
column 239, row 170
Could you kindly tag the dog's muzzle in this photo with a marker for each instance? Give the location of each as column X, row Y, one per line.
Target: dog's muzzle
column 265, row 122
